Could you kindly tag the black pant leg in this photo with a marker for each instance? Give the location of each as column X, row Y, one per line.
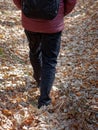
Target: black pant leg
column 50, row 50
column 35, row 53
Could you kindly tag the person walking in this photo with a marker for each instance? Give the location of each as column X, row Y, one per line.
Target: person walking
column 44, row 37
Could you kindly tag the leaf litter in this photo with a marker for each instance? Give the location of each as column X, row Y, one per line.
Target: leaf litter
column 75, row 92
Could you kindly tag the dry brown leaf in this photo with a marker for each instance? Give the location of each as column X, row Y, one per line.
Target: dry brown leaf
column 7, row 112
column 28, row 121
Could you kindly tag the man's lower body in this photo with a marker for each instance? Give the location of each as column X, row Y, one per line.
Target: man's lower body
column 44, row 49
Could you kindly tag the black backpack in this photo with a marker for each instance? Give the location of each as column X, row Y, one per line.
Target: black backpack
column 40, row 9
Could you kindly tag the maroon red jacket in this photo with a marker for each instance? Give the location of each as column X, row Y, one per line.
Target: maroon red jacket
column 48, row 26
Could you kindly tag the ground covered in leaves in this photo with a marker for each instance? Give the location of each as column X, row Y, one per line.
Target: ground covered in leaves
column 75, row 95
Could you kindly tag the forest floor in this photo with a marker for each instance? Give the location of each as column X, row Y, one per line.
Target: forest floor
column 74, row 95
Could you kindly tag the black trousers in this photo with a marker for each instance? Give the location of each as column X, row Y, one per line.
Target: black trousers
column 44, row 49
